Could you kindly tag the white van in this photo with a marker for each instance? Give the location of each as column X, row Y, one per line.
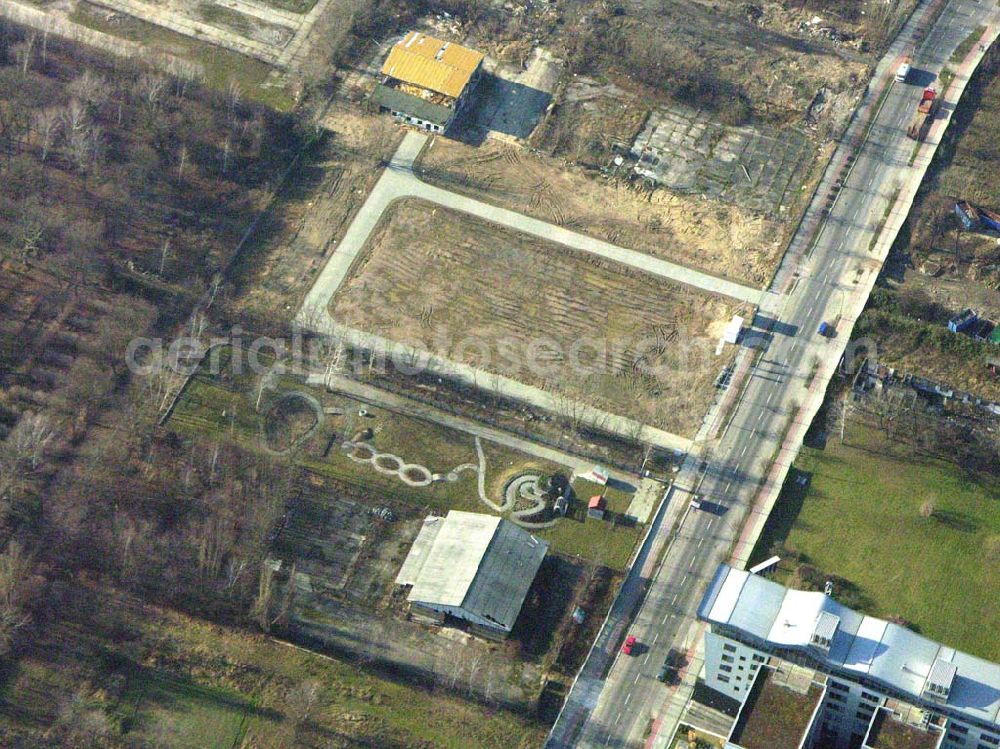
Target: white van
column 903, row 72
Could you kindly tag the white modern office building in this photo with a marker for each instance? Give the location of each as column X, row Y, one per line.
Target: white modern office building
column 865, row 667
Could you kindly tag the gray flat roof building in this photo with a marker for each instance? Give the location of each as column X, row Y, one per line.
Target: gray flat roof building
column 853, row 646
column 474, row 567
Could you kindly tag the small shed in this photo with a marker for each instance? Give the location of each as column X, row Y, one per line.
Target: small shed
column 733, row 330
column 962, row 321
column 595, row 507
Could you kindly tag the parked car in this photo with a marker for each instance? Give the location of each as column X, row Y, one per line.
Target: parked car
column 672, row 665
column 629, row 645
column 825, row 329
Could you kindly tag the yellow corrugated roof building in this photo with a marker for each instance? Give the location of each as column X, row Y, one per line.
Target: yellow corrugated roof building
column 430, row 63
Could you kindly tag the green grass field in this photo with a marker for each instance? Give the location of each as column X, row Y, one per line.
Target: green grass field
column 226, row 409
column 967, row 44
column 198, row 715
column 859, row 518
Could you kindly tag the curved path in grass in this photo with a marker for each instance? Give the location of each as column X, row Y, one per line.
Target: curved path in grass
column 521, row 487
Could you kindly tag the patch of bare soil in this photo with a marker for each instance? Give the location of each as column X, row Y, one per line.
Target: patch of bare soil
column 723, row 240
column 538, row 312
column 312, row 214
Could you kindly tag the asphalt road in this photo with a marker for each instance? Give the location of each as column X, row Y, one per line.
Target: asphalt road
column 623, row 706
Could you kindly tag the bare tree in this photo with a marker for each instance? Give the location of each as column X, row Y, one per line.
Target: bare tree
column 183, row 74
column 151, row 86
column 301, row 701
column 10, row 487
column 47, row 122
column 214, row 539
column 234, row 94
column 85, row 147
column 15, row 574
column 23, row 51
column 474, row 665
column 29, row 438
column 881, row 20
column 89, row 88
column 29, row 229
column 263, row 605
column 456, row 665
column 75, row 116
column 182, row 160
column 261, row 609
column 489, row 685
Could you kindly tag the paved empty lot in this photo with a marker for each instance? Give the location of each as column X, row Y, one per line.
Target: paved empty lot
column 759, row 168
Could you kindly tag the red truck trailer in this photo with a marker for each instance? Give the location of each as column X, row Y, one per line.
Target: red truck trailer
column 924, row 116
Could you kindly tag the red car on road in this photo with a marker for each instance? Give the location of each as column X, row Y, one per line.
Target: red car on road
column 629, row 645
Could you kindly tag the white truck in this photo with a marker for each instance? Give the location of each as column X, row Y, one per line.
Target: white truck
column 902, row 72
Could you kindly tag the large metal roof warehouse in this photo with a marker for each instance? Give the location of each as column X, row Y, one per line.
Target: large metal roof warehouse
column 474, row 567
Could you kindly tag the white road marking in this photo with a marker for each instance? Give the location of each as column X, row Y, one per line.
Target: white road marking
column 691, row 563
column 700, row 542
column 728, row 484
column 646, row 659
column 710, row 523
column 636, row 681
column 629, row 695
column 744, row 450
column 674, row 599
column 769, row 397
column 656, row 637
column 618, row 719
column 664, row 620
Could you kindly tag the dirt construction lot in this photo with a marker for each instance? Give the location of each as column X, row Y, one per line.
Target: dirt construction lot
column 720, row 239
column 540, row 313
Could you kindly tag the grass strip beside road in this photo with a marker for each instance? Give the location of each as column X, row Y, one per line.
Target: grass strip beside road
column 967, row 44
